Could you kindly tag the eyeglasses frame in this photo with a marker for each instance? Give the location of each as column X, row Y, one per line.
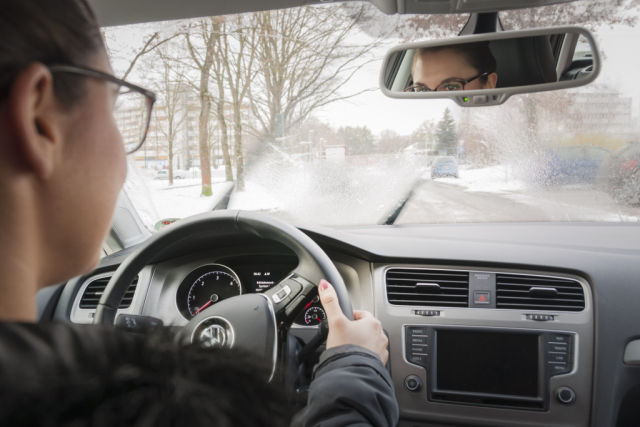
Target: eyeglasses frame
column 454, row 79
column 90, row 72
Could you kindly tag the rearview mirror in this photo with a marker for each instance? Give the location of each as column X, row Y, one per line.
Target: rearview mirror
column 486, row 69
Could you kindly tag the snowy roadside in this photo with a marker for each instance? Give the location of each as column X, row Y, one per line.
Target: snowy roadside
column 491, row 179
column 155, row 199
column 560, row 203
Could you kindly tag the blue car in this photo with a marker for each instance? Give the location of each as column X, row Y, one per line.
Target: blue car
column 444, row 167
column 573, row 165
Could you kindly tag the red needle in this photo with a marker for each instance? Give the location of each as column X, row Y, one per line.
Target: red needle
column 203, row 307
column 306, row 306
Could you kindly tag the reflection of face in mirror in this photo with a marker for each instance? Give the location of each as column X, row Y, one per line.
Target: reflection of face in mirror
column 450, row 68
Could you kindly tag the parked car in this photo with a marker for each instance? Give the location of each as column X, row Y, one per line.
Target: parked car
column 164, row 174
column 446, row 166
column 620, row 174
column 572, row 165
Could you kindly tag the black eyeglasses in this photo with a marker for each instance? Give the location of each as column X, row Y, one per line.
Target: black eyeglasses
column 446, row 85
column 132, row 109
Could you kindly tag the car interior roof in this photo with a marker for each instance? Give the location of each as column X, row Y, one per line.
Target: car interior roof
column 121, row 12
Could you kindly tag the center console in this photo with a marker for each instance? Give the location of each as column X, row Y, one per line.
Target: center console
column 492, row 367
column 511, row 348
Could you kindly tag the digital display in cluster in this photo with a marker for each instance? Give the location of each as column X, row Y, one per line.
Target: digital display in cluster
column 262, row 280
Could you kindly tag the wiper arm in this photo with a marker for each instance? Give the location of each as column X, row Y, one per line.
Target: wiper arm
column 393, row 216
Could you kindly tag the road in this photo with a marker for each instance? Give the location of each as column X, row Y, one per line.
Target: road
column 435, row 201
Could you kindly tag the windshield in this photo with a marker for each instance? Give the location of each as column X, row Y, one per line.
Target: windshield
column 279, row 111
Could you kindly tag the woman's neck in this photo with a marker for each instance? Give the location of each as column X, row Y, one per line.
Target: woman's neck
column 18, row 287
column 20, row 263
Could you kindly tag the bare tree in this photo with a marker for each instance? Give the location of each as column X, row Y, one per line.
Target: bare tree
column 305, row 59
column 218, row 27
column 237, row 54
column 172, row 92
column 202, row 57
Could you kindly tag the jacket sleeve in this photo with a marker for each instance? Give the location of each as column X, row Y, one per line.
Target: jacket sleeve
column 350, row 387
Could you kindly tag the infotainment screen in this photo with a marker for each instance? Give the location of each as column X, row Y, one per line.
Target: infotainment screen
column 487, row 363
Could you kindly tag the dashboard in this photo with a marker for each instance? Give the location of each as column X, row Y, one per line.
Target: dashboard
column 197, row 282
column 496, row 324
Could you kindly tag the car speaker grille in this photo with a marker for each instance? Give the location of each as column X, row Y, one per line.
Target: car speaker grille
column 438, row 288
column 94, row 290
column 538, row 293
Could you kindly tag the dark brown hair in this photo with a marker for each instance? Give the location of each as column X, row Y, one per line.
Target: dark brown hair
column 50, row 32
column 478, row 55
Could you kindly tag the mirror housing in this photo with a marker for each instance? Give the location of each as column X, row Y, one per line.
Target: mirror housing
column 525, row 61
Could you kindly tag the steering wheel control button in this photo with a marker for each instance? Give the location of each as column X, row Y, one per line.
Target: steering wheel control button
column 418, row 344
column 294, row 305
column 558, row 353
column 482, row 297
column 282, row 294
column 566, row 395
column 413, row 383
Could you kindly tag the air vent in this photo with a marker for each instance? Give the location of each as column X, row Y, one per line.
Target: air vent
column 93, row 292
column 438, row 288
column 538, row 293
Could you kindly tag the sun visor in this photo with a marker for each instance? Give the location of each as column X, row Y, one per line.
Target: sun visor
column 458, row 6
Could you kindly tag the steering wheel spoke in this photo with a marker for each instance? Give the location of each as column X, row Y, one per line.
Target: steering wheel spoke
column 288, row 296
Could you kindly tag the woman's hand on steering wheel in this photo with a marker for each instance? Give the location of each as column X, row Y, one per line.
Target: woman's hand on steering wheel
column 365, row 330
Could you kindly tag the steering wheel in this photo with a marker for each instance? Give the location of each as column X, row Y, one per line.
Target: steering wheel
column 251, row 322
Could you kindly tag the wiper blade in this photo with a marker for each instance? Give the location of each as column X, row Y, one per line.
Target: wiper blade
column 393, row 216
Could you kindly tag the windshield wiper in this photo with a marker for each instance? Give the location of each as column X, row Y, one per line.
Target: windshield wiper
column 393, row 216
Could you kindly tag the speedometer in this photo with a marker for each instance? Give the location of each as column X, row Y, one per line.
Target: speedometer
column 206, row 286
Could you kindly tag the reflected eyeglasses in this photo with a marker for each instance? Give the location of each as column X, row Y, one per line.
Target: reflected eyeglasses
column 446, row 85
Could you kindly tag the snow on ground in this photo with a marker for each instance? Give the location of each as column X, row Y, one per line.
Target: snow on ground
column 155, row 199
column 491, row 179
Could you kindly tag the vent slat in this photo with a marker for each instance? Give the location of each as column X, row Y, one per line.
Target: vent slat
column 531, row 285
column 512, row 291
column 453, row 289
column 430, row 302
column 94, row 290
column 419, row 295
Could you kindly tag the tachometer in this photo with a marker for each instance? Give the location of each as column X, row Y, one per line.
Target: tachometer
column 314, row 315
column 206, row 286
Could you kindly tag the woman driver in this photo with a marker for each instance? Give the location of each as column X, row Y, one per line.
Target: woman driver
column 62, row 165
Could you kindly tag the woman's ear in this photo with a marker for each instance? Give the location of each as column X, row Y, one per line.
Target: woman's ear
column 492, row 81
column 34, row 120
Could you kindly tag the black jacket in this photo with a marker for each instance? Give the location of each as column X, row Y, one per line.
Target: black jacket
column 350, row 387
column 49, row 372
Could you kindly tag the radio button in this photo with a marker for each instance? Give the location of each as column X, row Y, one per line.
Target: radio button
column 559, row 348
column 558, row 357
column 418, row 359
column 418, row 331
column 559, row 339
column 558, row 368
